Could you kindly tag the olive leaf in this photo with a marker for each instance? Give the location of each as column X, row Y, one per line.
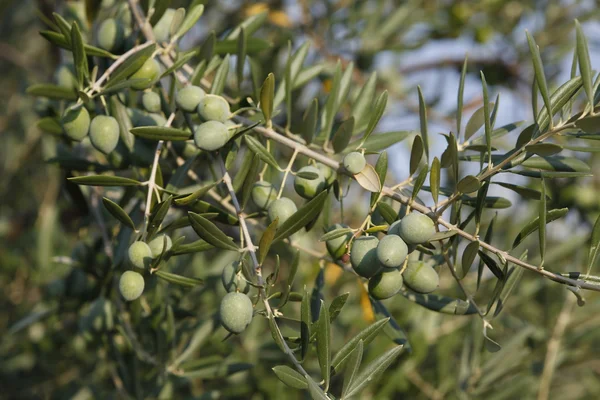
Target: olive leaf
column 376, row 114
column 290, row 377
column 368, row 179
column 366, row 336
column 117, row 212
column 583, row 57
column 178, row 279
column 210, row 233
column 305, row 325
column 266, row 240
column 260, row 151
column 352, row 368
column 423, row 122
column 192, row 16
column 460, row 96
column 104, row 180
column 267, row 93
column 362, row 106
column 342, row 136
column 161, row 133
column 441, row 304
column 373, row 370
column 416, row 154
column 468, row 184
column 302, row 217
column 130, row 66
column 190, row 198
column 220, row 79
column 51, row 91
column 323, row 344
column 194, row 247
column 309, row 122
column 538, row 69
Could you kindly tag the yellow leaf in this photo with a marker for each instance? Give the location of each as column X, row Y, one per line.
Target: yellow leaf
column 327, row 85
column 332, row 273
column 365, row 304
column 280, row 18
column 256, row 8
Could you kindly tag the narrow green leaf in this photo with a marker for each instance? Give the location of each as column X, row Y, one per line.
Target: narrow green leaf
column 254, row 46
column 362, row 106
column 193, row 15
column 416, row 154
column 540, row 76
column 182, row 59
column 255, row 146
column 342, row 136
column 491, row 264
column 468, row 257
column 130, row 66
column 512, row 278
column 50, row 125
column 583, row 57
column 59, row 40
column 423, row 122
column 373, row 370
column 190, row 198
column 290, row 377
column 487, row 202
column 544, row 149
column 542, row 221
column 532, row 226
column 556, row 163
column 178, row 279
column 302, row 217
column 117, row 212
column 323, row 344
column 460, row 96
column 468, row 184
column 266, row 240
column 352, row 367
column 594, row 246
column 309, row 122
column 79, row 57
column 381, row 167
column 305, row 325
column 220, row 79
column 249, row 182
column 336, row 306
column 159, row 212
column 315, row 391
column 475, row 122
column 366, row 336
column 51, row 91
column 161, row 133
column 380, row 141
column 434, row 179
column 194, row 247
column 241, row 57
column 387, row 212
column 334, row 234
column 418, row 183
column 250, row 25
column 441, row 304
column 559, row 98
column 207, row 49
column 523, row 191
column 376, row 114
column 210, row 233
column 487, row 121
column 104, row 180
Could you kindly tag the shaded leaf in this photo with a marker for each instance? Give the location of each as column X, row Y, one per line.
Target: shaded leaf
column 416, row 154
column 260, row 151
column 266, row 240
column 352, row 367
column 366, row 336
column 302, row 217
column 267, row 93
column 210, row 233
column 290, row 377
column 161, row 133
column 323, row 344
column 468, row 184
column 342, row 136
column 117, row 212
column 178, row 279
column 373, row 370
column 368, row 179
column 104, row 180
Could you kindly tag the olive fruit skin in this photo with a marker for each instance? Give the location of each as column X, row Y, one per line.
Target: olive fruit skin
column 392, row 251
column 232, row 279
column 420, row 277
column 65, row 76
column 151, row 102
column 328, row 173
column 104, row 133
column 131, row 285
column 282, row 208
column 416, row 228
column 140, row 255
column 235, row 312
column 354, row 162
column 309, row 188
column 76, row 123
column 263, row 194
column 363, row 256
column 385, row 284
column 211, row 135
column 337, row 247
column 394, row 228
column 163, row 27
column 214, row 108
column 189, row 97
column 158, row 243
column 149, row 70
column 110, row 34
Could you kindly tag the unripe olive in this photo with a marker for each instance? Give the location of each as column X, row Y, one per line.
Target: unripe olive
column 232, row 278
column 189, row 97
column 214, row 108
column 104, row 133
column 392, row 251
column 328, row 173
column 158, row 243
column 394, row 228
column 149, row 70
column 110, row 34
column 190, row 150
column 76, row 123
column 420, row 277
column 235, row 312
column 282, row 208
column 211, row 135
column 354, row 162
column 385, row 284
column 151, row 102
column 65, row 76
column 163, row 26
column 309, row 188
column 416, row 228
column 363, row 256
column 263, row 194
column 337, row 247
column 140, row 255
column 377, row 218
column 131, row 285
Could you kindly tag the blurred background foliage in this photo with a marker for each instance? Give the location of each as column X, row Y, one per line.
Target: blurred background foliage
column 53, row 344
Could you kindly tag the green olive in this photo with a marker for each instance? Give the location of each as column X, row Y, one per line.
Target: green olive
column 337, row 247
column 140, row 255
column 65, row 76
column 211, row 135
column 385, row 284
column 151, row 102
column 158, row 244
column 149, row 70
column 263, row 194
column 420, row 277
column 282, row 208
column 76, row 123
column 110, row 34
column 104, row 133
column 363, row 256
column 328, row 173
column 392, row 251
column 354, row 162
column 189, row 97
column 416, row 228
column 235, row 312
column 214, row 108
column 309, row 188
column 232, row 278
column 131, row 285
column 162, row 29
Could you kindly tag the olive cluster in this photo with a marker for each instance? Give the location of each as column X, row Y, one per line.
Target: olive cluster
column 235, row 311
column 382, row 261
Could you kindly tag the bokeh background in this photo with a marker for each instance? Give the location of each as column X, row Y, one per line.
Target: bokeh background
column 550, row 346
